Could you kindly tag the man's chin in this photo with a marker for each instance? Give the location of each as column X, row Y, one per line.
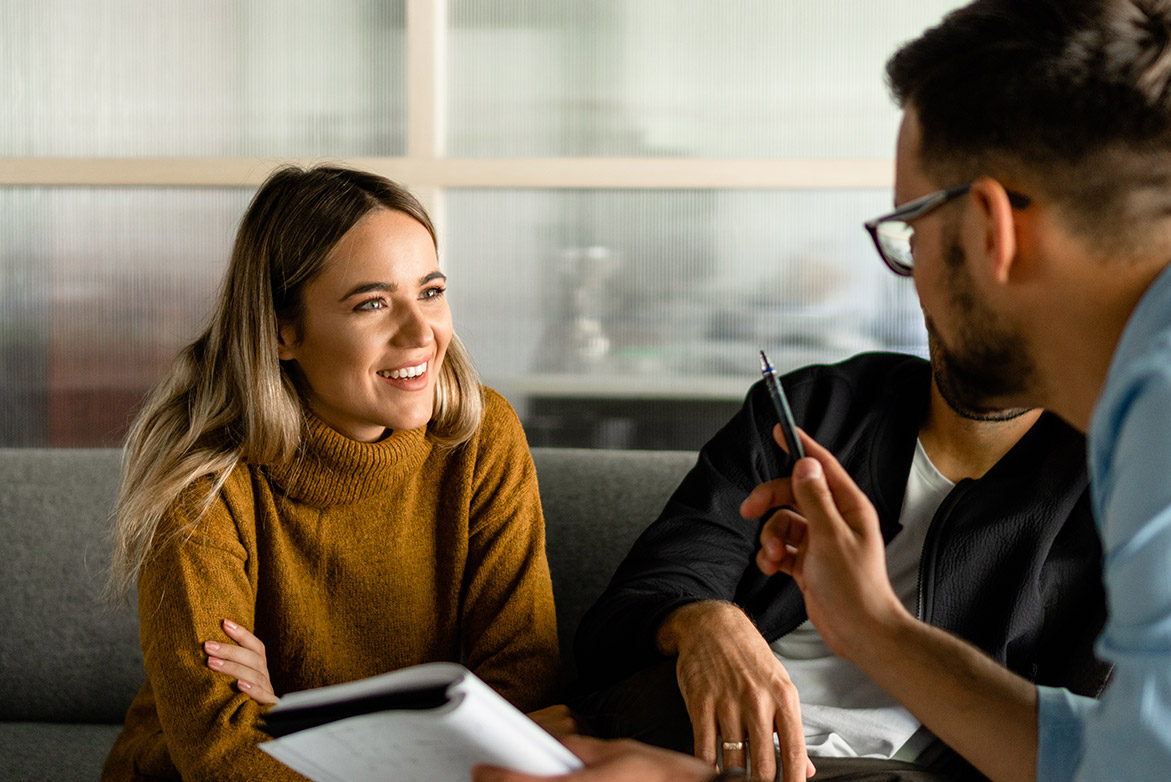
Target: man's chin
column 982, row 408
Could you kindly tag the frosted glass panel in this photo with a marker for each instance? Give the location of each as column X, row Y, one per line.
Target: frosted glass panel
column 754, row 78
column 203, row 78
column 99, row 289
column 671, row 291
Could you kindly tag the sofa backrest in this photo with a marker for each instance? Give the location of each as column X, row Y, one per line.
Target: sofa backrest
column 66, row 657
column 596, row 503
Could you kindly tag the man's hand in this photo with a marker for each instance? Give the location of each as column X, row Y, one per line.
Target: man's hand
column 613, row 761
column 831, row 544
column 246, row 662
column 559, row 721
column 735, row 688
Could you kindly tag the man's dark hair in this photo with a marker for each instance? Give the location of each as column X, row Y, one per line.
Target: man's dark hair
column 1069, row 97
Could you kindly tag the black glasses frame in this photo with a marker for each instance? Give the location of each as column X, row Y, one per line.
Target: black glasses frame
column 912, row 210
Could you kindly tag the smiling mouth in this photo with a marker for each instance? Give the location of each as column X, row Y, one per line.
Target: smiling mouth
column 405, row 372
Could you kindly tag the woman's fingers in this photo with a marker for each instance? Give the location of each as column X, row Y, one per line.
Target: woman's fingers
column 243, row 637
column 245, row 662
column 234, row 661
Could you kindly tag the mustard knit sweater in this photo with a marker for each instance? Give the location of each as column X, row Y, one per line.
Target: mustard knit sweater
column 352, row 560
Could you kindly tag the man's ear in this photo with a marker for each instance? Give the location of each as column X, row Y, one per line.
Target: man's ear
column 286, row 340
column 994, row 230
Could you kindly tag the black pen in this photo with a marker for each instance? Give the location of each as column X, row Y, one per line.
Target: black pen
column 784, row 414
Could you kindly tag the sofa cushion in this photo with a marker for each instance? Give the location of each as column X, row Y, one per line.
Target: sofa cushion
column 55, row 752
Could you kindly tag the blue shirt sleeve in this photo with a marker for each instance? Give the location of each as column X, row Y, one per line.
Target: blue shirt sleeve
column 1060, row 717
column 1128, row 734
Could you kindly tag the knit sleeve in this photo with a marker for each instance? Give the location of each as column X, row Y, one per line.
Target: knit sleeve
column 509, row 627
column 193, row 580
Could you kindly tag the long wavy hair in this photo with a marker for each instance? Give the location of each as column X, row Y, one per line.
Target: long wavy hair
column 227, row 398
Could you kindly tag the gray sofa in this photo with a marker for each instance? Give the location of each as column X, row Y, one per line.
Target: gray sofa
column 69, row 665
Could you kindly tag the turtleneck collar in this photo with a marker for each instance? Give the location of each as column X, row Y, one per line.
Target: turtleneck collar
column 331, row 469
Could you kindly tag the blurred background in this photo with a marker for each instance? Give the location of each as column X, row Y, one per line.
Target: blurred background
column 633, row 196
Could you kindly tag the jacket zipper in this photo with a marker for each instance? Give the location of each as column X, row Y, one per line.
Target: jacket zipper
column 926, row 588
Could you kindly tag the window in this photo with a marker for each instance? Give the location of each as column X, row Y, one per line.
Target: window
column 632, row 197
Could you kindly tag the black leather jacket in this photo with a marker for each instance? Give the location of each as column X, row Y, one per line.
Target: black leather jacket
column 1011, row 562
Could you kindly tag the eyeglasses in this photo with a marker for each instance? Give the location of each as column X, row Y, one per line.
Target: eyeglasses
column 893, row 233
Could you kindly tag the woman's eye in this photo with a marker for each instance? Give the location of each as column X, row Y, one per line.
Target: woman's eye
column 372, row 304
column 433, row 292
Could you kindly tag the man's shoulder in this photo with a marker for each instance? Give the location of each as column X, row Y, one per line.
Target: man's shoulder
column 864, row 380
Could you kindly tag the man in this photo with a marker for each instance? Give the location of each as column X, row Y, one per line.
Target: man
column 988, row 532
column 1042, row 266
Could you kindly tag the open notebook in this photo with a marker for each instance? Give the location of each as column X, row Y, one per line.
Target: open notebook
column 429, row 722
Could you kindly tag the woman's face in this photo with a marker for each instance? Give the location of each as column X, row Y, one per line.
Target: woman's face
column 374, row 330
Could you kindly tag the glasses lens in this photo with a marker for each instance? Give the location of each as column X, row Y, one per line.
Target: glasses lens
column 895, row 237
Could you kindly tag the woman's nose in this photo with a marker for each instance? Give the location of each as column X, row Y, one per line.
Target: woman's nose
column 412, row 328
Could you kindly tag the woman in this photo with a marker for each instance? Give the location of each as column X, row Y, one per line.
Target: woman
column 322, row 471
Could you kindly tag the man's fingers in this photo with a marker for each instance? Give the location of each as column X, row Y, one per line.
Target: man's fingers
column 791, row 741
column 851, row 502
column 593, row 751
column 772, row 494
column 780, row 540
column 703, row 724
column 760, row 747
column 732, row 732
column 495, row 774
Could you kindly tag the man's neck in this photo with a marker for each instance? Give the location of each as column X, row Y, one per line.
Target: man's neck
column 1075, row 344
column 962, row 448
column 1071, row 307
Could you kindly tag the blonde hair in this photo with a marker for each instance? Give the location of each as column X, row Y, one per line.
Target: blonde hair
column 227, row 398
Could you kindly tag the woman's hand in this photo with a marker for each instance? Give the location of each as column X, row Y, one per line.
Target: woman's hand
column 246, row 662
column 736, row 689
column 557, row 720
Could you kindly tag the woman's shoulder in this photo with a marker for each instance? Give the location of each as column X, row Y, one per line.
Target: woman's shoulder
column 215, row 505
column 500, row 438
column 499, row 416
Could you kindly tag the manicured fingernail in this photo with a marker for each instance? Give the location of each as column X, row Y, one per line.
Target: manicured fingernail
column 211, row 646
column 215, row 662
column 230, row 625
column 244, row 685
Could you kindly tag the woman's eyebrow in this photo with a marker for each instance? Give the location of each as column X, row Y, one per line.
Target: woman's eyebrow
column 367, row 287
column 388, row 287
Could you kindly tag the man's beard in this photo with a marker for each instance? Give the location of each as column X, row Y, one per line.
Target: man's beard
column 989, row 361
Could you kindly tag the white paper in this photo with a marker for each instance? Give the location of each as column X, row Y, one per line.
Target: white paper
column 442, row 744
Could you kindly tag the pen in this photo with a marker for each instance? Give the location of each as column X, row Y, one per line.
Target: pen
column 784, row 414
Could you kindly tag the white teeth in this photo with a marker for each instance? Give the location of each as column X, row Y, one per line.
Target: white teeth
column 395, row 374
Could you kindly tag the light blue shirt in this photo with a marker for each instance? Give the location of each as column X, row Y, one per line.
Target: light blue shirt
column 1127, row 735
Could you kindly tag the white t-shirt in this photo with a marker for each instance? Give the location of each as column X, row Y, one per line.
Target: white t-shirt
column 844, row 712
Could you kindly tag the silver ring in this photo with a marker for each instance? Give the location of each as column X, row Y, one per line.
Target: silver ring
column 733, row 746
